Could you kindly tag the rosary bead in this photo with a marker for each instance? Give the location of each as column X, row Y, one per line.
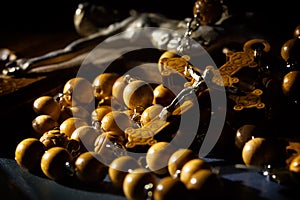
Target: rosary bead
column 169, row 188
column 205, row 184
column 246, row 133
column 74, row 111
column 291, row 85
column 47, row 105
column 43, row 123
column 208, row 12
column 86, row 136
column 297, row 31
column 290, row 50
column 78, row 92
column 28, row 154
column 54, row 138
column 107, row 147
column 103, row 84
column 53, row 163
column 138, row 93
column 294, row 165
column 89, row 169
column 119, row 168
column 157, row 157
column 116, row 121
column 192, row 166
column 294, row 168
column 150, row 113
column 178, row 159
column 118, row 87
column 259, row 152
column 71, row 124
column 139, row 184
column 162, row 95
column 98, row 113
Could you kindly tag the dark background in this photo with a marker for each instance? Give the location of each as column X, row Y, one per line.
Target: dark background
column 33, row 15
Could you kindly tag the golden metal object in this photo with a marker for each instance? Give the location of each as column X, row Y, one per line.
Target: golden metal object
column 145, row 135
column 250, row 100
column 237, row 61
column 224, row 76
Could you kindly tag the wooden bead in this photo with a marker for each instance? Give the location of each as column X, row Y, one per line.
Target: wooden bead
column 163, row 95
column 169, row 188
column 208, row 12
column 178, row 159
column 157, row 157
column 290, row 49
column 118, row 87
column 78, row 91
column 150, row 113
column 74, row 111
column 291, row 84
column 204, row 183
column 116, row 121
column 86, row 136
column 89, row 168
column 53, row 163
column 259, row 152
column 294, row 168
column 246, row 133
column 54, row 138
column 138, row 93
column 47, row 105
column 135, row 182
column 69, row 125
column 103, row 84
column 192, row 166
column 99, row 113
column 28, row 154
column 43, row 123
column 297, row 31
column 119, row 168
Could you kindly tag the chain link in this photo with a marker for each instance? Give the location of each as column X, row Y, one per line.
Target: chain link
column 192, row 25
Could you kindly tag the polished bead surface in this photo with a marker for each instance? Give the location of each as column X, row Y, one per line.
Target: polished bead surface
column 178, row 159
column 150, row 113
column 74, row 111
column 103, row 84
column 169, row 188
column 290, row 49
column 78, row 92
column 28, row 153
column 259, row 152
column 158, row 155
column 71, row 124
column 135, row 184
column 89, row 168
column 119, row 168
column 163, row 95
column 291, row 84
column 192, row 166
column 138, row 93
column 208, row 11
column 86, row 136
column 47, row 105
column 116, row 121
column 43, row 123
column 53, row 163
column 204, row 183
column 245, row 133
